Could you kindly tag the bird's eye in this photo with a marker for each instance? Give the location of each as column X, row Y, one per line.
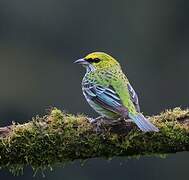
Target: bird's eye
column 95, row 60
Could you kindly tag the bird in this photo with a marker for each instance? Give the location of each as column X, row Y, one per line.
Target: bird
column 109, row 92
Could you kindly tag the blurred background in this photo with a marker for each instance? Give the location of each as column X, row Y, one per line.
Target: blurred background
column 40, row 40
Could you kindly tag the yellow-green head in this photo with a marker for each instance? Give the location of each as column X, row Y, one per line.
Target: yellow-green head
column 98, row 60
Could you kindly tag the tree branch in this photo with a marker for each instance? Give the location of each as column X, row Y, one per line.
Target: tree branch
column 60, row 138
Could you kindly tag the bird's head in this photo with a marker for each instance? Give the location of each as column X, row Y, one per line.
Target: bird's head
column 97, row 60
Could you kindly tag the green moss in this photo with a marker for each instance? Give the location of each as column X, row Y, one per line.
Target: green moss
column 61, row 138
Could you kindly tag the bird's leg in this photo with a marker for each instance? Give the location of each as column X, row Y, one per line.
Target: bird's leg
column 104, row 121
column 93, row 121
column 128, row 120
column 107, row 121
column 120, row 119
column 101, row 120
column 97, row 122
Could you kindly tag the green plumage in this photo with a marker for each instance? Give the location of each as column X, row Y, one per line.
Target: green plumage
column 114, row 77
column 108, row 91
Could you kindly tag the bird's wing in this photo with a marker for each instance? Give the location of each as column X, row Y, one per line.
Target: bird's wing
column 134, row 97
column 104, row 96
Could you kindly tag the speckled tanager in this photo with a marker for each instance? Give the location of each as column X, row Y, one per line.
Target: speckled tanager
column 108, row 91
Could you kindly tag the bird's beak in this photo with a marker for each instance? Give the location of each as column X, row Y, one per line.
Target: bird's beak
column 81, row 61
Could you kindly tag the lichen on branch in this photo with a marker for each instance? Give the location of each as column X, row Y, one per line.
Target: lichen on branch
column 60, row 138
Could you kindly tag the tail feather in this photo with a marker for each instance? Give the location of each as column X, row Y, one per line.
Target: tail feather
column 143, row 123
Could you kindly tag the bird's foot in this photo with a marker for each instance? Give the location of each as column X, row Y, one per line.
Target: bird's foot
column 128, row 120
column 101, row 122
column 94, row 121
column 97, row 122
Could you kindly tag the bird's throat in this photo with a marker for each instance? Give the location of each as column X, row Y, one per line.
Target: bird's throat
column 90, row 68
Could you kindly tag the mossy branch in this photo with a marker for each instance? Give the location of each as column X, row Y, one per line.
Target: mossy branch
column 60, row 138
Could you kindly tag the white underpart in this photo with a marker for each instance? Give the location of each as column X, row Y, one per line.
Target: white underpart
column 90, row 68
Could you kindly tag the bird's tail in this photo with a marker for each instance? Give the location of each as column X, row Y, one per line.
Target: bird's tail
column 143, row 123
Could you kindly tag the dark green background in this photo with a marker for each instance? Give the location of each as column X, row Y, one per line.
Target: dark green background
column 40, row 39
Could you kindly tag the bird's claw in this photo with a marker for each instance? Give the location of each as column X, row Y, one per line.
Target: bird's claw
column 97, row 122
column 94, row 121
column 100, row 121
column 128, row 120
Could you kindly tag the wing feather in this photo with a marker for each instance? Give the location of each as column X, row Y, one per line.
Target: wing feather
column 133, row 97
column 104, row 96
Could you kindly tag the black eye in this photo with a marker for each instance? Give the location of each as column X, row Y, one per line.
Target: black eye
column 95, row 60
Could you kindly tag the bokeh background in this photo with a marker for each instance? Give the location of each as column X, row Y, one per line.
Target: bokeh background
column 40, row 39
